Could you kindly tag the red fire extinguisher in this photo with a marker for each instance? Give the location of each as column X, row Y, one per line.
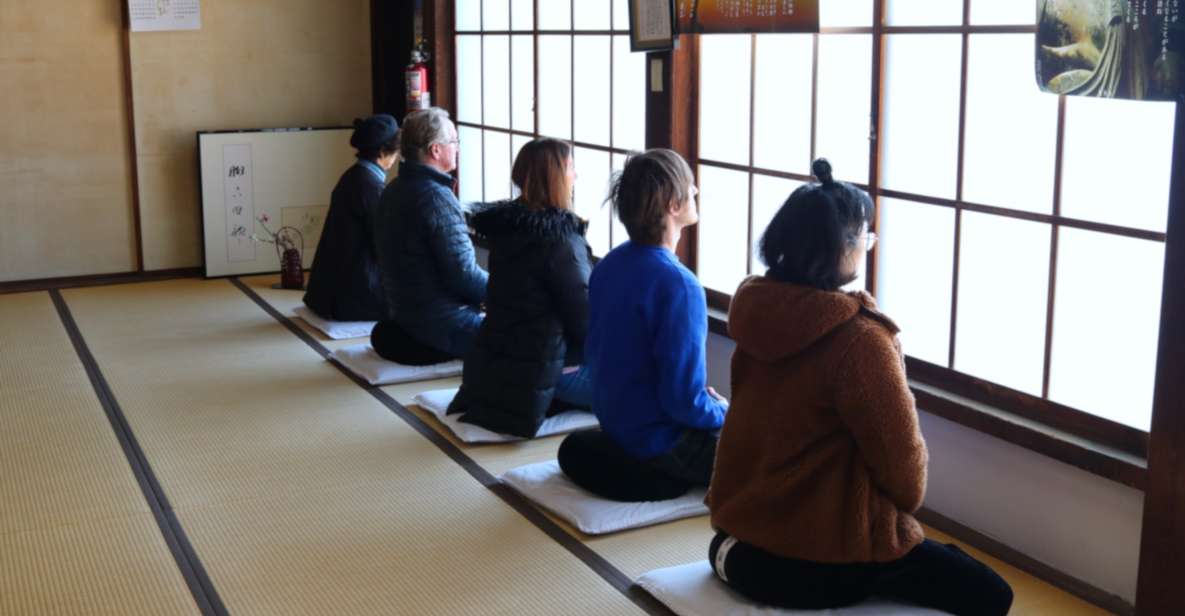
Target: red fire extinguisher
column 416, row 76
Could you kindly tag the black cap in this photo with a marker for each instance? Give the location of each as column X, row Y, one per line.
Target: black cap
column 374, row 131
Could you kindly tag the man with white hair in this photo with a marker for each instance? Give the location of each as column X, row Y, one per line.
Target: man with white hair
column 430, row 275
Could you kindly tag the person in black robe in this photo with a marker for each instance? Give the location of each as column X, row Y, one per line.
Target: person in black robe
column 344, row 284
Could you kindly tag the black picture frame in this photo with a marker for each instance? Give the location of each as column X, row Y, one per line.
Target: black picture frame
column 660, row 42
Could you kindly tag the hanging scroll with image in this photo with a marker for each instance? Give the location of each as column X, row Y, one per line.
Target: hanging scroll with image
column 732, row 16
column 1133, row 49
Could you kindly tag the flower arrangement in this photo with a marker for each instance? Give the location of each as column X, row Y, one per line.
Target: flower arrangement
column 289, row 242
column 285, row 238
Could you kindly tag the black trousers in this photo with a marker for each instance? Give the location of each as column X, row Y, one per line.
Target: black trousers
column 594, row 462
column 392, row 343
column 931, row 575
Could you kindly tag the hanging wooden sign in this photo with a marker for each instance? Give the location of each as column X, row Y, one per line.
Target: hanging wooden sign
column 1132, row 49
column 721, row 16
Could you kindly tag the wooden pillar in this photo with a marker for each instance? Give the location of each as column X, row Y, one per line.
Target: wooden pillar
column 672, row 113
column 1161, row 588
column 439, row 30
column 392, row 38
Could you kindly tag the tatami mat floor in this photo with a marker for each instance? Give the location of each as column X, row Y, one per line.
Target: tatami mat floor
column 76, row 533
column 299, row 490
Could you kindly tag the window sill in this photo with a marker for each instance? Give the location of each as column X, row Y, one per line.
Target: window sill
column 1090, row 456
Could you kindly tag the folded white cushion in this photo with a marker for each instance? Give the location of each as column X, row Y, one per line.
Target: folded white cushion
column 545, row 484
column 337, row 330
column 362, row 360
column 694, row 590
column 437, row 401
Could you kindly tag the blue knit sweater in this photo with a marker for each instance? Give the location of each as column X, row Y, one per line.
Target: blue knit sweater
column 648, row 325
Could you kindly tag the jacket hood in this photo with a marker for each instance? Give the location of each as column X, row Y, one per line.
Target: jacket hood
column 773, row 320
column 512, row 219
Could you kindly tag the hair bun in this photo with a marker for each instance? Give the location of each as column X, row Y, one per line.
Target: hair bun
column 821, row 169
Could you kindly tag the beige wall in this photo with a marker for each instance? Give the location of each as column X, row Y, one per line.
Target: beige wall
column 257, row 64
column 66, row 165
column 65, row 169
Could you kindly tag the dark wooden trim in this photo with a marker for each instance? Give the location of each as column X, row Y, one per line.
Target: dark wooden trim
column 534, row 66
column 133, row 148
column 1075, row 223
column 201, row 588
column 392, row 38
column 1058, row 416
column 548, row 32
column 440, row 29
column 97, row 280
column 814, row 99
column 717, row 319
column 959, row 166
column 1019, row 425
column 679, row 102
column 1096, row 459
column 789, row 175
column 752, row 150
column 875, row 121
column 1054, row 242
column 1083, row 590
column 718, row 300
column 574, row 545
column 571, row 71
column 964, row 29
column 1162, row 546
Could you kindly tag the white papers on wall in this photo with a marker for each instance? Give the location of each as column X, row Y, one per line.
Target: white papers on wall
column 159, row 15
column 239, row 197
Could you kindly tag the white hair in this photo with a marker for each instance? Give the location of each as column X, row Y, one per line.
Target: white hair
column 421, row 129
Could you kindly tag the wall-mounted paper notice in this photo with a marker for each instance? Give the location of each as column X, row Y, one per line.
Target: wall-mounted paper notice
column 158, row 15
column 239, row 194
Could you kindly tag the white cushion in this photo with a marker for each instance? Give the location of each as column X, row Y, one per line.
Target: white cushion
column 545, row 484
column 362, row 360
column 437, row 401
column 694, row 590
column 337, row 330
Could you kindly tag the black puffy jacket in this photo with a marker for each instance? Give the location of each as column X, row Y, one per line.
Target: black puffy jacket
column 344, row 284
column 536, row 320
column 430, row 275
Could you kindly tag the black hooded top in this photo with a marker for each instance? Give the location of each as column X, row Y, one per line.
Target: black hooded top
column 344, row 284
column 536, row 320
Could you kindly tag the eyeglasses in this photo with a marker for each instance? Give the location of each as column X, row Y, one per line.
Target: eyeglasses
column 869, row 240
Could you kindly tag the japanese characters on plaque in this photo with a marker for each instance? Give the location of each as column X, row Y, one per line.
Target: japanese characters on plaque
column 239, row 197
column 720, row 16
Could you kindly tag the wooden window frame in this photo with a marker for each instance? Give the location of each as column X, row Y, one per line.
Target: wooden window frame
column 535, row 32
column 671, row 119
column 1103, row 431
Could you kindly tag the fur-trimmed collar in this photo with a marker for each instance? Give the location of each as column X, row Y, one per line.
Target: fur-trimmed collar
column 772, row 320
column 513, row 219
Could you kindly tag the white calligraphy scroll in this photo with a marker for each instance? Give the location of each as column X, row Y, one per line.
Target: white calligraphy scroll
column 159, row 15
column 239, row 198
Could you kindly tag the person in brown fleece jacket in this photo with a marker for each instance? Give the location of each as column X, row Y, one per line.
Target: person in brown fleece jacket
column 821, row 462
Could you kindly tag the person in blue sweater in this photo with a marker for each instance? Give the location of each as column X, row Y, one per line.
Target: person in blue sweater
column 645, row 355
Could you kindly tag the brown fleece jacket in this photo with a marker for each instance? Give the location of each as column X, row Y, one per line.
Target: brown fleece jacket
column 820, row 457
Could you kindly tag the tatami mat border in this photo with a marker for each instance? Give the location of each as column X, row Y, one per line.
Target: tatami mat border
column 200, row 586
column 577, row 548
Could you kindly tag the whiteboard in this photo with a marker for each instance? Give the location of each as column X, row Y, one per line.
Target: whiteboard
column 286, row 175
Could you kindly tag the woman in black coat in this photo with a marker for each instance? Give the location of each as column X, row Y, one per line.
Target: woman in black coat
column 344, row 284
column 531, row 344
